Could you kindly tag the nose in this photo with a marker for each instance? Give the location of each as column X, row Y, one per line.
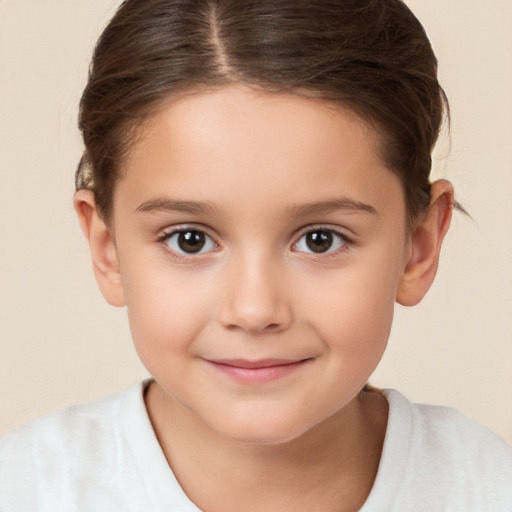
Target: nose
column 256, row 297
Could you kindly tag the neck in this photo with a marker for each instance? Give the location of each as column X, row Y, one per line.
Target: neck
column 331, row 467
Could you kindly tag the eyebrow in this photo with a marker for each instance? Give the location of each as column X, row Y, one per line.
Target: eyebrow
column 163, row 204
column 332, row 205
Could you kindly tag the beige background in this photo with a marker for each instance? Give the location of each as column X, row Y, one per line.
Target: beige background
column 60, row 343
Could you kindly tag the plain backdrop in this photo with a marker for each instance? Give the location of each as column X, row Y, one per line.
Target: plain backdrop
column 60, row 343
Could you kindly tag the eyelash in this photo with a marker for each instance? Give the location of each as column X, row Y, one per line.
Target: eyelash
column 164, row 238
column 346, row 242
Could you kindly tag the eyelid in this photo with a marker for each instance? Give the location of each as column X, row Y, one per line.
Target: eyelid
column 165, row 234
column 348, row 240
column 311, row 228
column 168, row 231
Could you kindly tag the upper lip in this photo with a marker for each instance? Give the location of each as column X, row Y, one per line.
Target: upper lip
column 260, row 363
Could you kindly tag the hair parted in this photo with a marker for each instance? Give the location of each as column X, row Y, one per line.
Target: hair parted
column 371, row 56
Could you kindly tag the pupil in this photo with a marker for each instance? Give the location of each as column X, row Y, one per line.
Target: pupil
column 191, row 241
column 319, row 241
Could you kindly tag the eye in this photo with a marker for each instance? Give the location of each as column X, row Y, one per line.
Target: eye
column 189, row 241
column 320, row 241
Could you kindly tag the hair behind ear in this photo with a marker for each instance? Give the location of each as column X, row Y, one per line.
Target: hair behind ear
column 426, row 241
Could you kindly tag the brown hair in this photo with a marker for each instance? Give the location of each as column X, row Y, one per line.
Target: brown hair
column 371, row 56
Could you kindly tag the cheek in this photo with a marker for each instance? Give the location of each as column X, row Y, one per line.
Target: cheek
column 353, row 307
column 357, row 321
column 166, row 309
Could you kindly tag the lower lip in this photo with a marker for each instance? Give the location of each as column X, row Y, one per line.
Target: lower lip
column 258, row 375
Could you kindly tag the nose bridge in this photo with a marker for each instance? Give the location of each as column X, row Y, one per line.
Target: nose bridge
column 256, row 298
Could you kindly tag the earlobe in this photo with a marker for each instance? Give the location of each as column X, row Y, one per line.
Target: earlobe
column 426, row 241
column 102, row 247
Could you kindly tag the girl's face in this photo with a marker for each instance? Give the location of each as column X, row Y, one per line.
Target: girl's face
column 261, row 243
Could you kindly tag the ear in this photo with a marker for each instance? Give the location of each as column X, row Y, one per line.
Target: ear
column 425, row 245
column 102, row 246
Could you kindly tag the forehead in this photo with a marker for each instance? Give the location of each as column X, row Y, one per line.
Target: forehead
column 271, row 149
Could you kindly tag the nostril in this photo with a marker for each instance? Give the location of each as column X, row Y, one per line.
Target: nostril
column 247, row 327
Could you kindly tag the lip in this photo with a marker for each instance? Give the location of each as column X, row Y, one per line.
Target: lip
column 257, row 372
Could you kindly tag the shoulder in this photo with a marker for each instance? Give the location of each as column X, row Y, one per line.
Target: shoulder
column 36, row 459
column 102, row 455
column 445, row 433
column 434, row 458
column 65, row 430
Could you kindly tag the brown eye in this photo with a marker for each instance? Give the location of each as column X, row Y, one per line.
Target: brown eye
column 190, row 241
column 320, row 241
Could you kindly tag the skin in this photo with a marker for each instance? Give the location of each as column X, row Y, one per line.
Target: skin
column 256, row 173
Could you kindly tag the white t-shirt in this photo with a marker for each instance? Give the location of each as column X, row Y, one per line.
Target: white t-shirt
column 104, row 457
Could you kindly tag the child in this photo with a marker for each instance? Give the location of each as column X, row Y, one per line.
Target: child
column 255, row 189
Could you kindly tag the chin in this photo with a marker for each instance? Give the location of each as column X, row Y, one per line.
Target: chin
column 262, row 438
column 261, row 431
